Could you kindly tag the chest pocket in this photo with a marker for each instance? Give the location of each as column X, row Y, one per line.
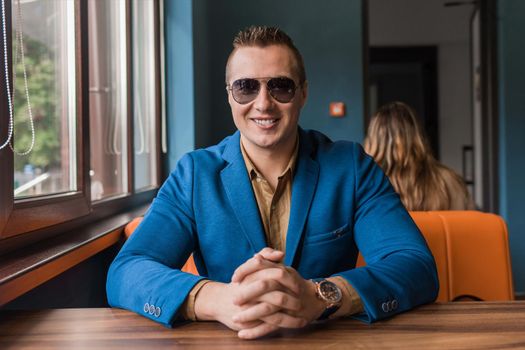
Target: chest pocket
column 319, row 238
column 328, row 253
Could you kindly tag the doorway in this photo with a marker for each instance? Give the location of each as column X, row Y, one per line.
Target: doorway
column 459, row 108
column 407, row 74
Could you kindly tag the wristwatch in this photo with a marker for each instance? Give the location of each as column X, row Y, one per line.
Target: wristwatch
column 330, row 293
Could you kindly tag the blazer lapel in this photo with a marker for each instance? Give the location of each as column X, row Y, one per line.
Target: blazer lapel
column 240, row 194
column 303, row 190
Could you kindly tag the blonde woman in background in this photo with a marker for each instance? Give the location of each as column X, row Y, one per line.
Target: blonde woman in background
column 397, row 144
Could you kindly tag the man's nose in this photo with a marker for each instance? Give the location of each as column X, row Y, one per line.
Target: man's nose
column 264, row 100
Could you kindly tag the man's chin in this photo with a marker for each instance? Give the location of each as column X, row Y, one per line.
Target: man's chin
column 267, row 145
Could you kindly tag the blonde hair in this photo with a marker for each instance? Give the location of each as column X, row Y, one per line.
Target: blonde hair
column 397, row 144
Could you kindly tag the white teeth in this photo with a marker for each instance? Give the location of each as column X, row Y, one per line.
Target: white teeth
column 264, row 121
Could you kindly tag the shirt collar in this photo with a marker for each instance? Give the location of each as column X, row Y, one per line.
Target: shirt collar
column 254, row 173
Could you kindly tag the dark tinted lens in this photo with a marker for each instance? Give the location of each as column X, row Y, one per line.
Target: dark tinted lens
column 245, row 90
column 282, row 89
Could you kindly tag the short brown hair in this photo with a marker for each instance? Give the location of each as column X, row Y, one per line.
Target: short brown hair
column 262, row 36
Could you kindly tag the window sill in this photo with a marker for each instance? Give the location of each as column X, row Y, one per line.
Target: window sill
column 24, row 269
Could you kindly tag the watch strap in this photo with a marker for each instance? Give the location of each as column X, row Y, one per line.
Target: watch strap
column 329, row 311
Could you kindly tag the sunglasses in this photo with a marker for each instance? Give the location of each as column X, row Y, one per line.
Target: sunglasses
column 246, row 90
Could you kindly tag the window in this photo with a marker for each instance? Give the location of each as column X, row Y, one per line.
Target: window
column 108, row 96
column 144, row 94
column 84, row 127
column 47, row 73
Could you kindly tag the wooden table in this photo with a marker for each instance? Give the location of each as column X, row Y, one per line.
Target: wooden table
column 467, row 325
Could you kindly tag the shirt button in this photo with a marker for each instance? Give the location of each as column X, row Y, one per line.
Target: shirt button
column 146, row 308
column 151, row 309
column 157, row 311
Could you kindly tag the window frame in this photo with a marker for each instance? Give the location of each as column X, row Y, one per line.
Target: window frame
column 58, row 213
column 55, row 208
column 158, row 98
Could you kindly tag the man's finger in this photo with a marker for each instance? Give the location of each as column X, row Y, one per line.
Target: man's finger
column 257, row 332
column 284, row 275
column 254, row 313
column 252, row 291
column 250, row 266
column 281, row 300
column 272, row 254
column 244, row 325
column 284, row 320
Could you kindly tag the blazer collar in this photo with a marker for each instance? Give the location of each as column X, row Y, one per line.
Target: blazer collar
column 238, row 188
column 303, row 190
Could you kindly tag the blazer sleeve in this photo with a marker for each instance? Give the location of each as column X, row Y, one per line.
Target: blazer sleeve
column 400, row 272
column 145, row 276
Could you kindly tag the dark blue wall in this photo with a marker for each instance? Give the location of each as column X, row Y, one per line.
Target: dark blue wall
column 180, row 107
column 198, row 40
column 329, row 35
column 512, row 130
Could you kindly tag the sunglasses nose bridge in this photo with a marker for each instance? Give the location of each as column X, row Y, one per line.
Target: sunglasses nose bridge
column 264, row 97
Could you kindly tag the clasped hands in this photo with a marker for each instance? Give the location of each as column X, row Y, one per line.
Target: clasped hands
column 262, row 297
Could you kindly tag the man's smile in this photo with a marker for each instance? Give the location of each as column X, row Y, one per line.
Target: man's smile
column 266, row 123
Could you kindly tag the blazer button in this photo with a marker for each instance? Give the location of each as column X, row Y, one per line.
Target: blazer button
column 157, row 311
column 151, row 309
column 389, row 306
column 384, row 307
column 394, row 304
column 146, row 308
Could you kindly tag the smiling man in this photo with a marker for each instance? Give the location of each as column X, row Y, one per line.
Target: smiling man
column 275, row 217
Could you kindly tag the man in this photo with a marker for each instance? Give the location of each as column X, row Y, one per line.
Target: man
column 275, row 217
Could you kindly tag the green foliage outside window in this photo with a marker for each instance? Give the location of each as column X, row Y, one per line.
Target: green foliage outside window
column 42, row 84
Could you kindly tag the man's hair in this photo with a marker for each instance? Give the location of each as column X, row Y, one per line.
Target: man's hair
column 262, row 36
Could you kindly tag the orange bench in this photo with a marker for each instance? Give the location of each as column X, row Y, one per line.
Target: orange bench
column 470, row 248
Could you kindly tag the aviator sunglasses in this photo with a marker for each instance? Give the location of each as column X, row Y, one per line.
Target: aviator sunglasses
column 246, row 90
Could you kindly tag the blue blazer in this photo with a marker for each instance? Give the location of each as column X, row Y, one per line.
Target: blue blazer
column 342, row 203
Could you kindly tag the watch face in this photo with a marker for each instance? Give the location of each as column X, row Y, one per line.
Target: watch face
column 330, row 291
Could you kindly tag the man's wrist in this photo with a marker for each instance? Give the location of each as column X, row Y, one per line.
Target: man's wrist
column 351, row 303
column 318, row 304
column 204, row 305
